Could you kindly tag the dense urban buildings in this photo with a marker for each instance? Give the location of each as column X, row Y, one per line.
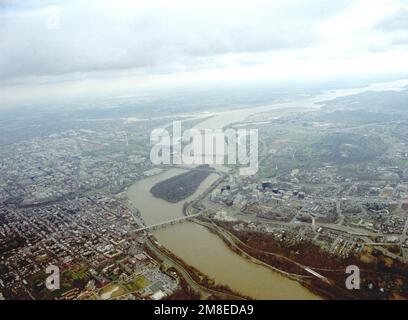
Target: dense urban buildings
column 203, row 150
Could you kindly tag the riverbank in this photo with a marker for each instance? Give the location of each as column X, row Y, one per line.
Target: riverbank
column 263, row 247
column 197, row 247
column 202, row 286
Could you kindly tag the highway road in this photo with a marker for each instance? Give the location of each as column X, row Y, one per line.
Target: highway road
column 205, row 292
column 169, row 222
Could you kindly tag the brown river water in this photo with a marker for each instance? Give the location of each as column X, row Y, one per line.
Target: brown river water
column 200, row 248
column 204, row 250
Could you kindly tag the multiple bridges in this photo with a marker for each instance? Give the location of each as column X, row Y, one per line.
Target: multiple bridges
column 169, row 222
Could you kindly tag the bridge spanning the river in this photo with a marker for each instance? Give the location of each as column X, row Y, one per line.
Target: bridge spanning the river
column 169, row 222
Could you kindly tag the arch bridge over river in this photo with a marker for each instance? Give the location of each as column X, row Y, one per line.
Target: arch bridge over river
column 169, row 222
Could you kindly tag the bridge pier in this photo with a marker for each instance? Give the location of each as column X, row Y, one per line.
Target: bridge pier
column 171, row 222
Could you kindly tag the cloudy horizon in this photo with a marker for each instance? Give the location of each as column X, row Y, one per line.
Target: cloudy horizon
column 76, row 46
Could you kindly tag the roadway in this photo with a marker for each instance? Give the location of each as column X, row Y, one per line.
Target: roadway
column 233, row 240
column 206, row 292
column 169, row 222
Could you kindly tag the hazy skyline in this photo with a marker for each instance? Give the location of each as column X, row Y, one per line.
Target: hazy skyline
column 72, row 47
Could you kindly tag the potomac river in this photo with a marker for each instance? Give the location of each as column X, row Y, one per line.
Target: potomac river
column 205, row 251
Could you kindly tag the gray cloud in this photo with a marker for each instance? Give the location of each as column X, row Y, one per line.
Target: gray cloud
column 396, row 21
column 395, row 26
column 104, row 35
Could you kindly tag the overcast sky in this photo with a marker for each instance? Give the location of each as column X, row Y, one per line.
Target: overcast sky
column 77, row 45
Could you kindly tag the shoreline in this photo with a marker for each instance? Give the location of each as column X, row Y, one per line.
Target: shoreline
column 271, row 291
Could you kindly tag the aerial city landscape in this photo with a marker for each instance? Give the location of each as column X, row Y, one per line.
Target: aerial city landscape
column 80, row 192
column 331, row 191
